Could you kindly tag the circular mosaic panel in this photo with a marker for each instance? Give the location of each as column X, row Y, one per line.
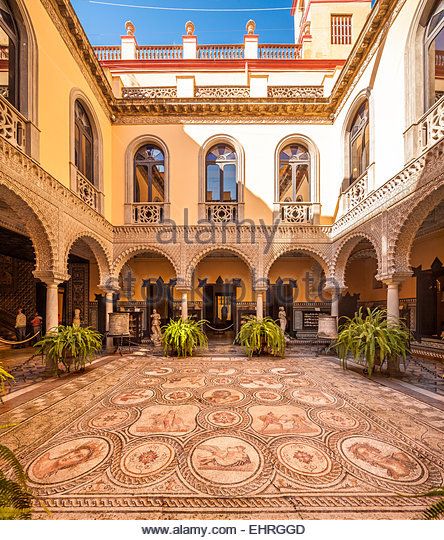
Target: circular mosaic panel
column 110, row 419
column 381, row 459
column 268, row 396
column 313, row 397
column 223, row 396
column 147, row 459
column 177, row 395
column 133, row 396
column 304, row 458
column 225, row 460
column 146, row 462
column 336, row 419
column 311, row 463
column 226, row 465
column 224, row 418
column 68, row 460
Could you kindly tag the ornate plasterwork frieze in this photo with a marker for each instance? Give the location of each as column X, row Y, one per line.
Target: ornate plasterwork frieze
column 144, row 119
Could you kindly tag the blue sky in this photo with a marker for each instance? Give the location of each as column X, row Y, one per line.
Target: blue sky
column 105, row 24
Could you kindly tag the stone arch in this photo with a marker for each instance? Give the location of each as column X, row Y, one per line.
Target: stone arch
column 191, row 266
column 400, row 247
column 318, row 256
column 98, row 248
column 40, row 232
column 129, row 253
column 343, row 252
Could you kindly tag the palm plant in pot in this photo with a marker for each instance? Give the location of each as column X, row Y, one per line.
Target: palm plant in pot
column 72, row 346
column 261, row 336
column 372, row 339
column 181, row 337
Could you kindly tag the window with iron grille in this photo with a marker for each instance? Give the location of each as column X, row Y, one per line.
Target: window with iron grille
column 341, row 29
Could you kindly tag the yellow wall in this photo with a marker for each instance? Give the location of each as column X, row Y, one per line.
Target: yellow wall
column 58, row 75
column 227, row 269
column 359, row 280
column 299, row 269
column 149, row 268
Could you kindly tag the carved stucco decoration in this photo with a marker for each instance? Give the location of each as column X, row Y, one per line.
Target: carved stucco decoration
column 320, row 253
column 99, row 248
column 33, row 214
column 247, row 253
column 344, row 249
column 123, row 253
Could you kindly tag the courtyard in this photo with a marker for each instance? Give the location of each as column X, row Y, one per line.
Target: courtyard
column 217, row 437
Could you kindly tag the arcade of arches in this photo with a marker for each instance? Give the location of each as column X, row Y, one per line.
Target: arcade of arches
column 223, row 285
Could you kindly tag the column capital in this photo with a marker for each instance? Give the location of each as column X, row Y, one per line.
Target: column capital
column 260, row 288
column 49, row 277
column 392, row 279
column 183, row 289
column 110, row 285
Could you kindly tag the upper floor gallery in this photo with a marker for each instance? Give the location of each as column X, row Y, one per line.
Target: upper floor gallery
column 301, row 132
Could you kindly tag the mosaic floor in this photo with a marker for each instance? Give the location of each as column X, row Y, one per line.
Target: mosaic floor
column 227, row 438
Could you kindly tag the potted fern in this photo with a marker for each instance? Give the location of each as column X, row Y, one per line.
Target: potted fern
column 260, row 336
column 183, row 336
column 15, row 496
column 371, row 339
column 72, row 346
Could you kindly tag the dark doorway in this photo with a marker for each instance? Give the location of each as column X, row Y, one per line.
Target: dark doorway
column 219, row 305
column 281, row 294
column 159, row 296
column 430, row 300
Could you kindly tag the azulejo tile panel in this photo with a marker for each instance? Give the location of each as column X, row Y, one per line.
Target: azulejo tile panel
column 225, row 438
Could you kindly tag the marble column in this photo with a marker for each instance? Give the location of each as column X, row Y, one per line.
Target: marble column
column 259, row 304
column 108, row 310
column 184, row 305
column 52, row 305
column 393, row 301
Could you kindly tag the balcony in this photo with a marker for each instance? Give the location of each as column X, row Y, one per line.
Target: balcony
column 147, row 213
column 13, row 125
column 431, row 126
column 355, row 193
column 88, row 192
column 222, row 212
column 300, row 212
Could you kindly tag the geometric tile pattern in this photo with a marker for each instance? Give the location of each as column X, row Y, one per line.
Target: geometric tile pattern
column 145, row 437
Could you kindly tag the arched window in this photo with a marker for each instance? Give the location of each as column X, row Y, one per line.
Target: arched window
column 359, row 142
column 149, row 174
column 294, row 174
column 9, row 55
column 434, row 54
column 221, row 174
column 83, row 142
